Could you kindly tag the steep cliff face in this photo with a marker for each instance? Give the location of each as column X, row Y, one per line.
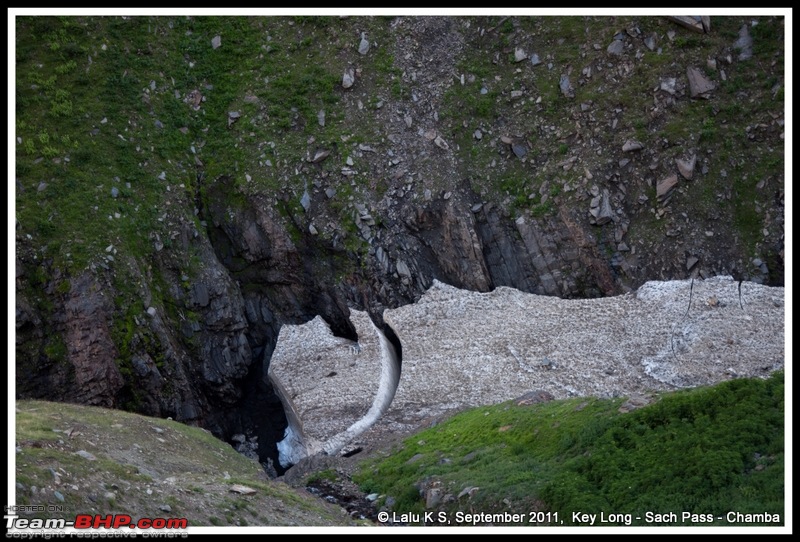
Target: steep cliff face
column 80, row 332
column 480, row 247
column 196, row 342
column 176, row 351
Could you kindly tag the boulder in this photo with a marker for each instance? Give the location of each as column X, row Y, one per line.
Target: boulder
column 700, row 86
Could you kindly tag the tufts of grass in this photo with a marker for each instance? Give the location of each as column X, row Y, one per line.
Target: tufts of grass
column 327, row 474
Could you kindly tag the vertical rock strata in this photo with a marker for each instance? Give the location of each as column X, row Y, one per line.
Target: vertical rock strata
column 90, row 349
column 463, row 348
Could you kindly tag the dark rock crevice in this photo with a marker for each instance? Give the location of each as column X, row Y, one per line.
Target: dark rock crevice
column 284, row 279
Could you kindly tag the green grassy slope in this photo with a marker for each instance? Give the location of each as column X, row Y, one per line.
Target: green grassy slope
column 703, row 451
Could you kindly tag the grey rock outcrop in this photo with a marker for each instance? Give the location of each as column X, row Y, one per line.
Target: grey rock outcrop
column 348, row 78
column 744, row 43
column 697, row 23
column 90, row 348
column 566, row 86
column 606, row 214
column 632, row 145
column 363, row 45
column 668, row 85
column 665, row 186
column 188, row 370
column 616, row 47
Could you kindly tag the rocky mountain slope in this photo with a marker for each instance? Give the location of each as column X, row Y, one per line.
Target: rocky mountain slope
column 185, row 186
